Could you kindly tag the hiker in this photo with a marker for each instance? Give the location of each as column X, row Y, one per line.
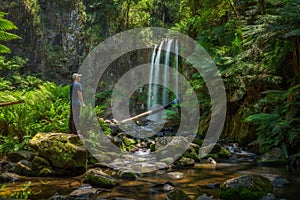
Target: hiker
column 77, row 102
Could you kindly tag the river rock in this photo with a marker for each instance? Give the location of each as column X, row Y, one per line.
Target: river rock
column 167, row 186
column 175, row 175
column 246, row 187
column 96, row 177
column 192, row 152
column 213, row 185
column 23, row 167
column 64, row 151
column 280, row 181
column 274, row 157
column 205, row 197
column 161, row 165
column 37, row 167
column 57, row 196
column 177, row 195
column 21, row 155
column 173, row 147
column 218, row 151
column 128, row 175
column 85, row 193
column 269, row 196
column 7, row 177
column 184, row 162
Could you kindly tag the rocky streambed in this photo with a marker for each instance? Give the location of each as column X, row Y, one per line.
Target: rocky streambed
column 59, row 167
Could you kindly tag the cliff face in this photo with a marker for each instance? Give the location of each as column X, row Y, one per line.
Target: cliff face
column 52, row 35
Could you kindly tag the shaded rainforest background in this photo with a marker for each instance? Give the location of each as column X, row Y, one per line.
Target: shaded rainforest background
column 255, row 44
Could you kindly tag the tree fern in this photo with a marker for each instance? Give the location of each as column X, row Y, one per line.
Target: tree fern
column 6, row 25
column 278, row 125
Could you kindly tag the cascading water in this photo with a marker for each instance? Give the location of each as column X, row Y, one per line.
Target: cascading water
column 162, row 56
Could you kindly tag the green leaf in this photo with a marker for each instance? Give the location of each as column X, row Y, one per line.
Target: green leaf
column 292, row 33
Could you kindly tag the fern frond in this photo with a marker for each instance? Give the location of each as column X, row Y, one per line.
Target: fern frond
column 6, row 25
column 261, row 117
column 292, row 33
column 5, row 36
column 4, row 49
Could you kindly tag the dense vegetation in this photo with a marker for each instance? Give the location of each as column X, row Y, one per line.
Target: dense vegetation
column 255, row 44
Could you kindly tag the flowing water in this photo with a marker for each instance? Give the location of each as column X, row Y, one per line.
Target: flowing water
column 162, row 57
column 194, row 182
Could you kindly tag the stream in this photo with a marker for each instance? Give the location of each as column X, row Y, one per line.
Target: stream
column 195, row 182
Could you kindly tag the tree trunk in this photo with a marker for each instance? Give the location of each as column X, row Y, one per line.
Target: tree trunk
column 148, row 113
column 11, row 103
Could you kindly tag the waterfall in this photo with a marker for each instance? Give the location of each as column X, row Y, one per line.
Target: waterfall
column 162, row 56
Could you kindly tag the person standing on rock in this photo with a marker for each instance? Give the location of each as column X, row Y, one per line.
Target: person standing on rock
column 77, row 102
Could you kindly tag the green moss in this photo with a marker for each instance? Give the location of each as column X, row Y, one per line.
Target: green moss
column 152, row 147
column 128, row 175
column 272, row 162
column 246, row 187
column 237, row 194
column 219, row 151
column 177, row 195
column 167, row 160
column 100, row 181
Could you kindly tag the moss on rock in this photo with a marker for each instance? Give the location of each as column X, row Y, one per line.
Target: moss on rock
column 98, row 178
column 61, row 149
column 246, row 187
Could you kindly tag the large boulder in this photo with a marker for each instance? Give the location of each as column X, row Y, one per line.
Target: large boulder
column 246, row 187
column 64, row 151
column 274, row 157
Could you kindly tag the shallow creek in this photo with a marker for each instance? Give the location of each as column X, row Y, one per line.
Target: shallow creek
column 194, row 182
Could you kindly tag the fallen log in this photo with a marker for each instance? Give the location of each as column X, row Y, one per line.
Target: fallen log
column 150, row 112
column 11, row 103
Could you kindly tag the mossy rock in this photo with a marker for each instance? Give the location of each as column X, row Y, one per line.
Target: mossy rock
column 168, row 160
column 192, row 152
column 218, row 151
column 64, row 151
column 172, row 147
column 23, row 167
column 41, row 167
column 39, row 163
column 7, row 177
column 184, row 162
column 177, row 195
column 98, row 178
column 21, row 155
column 128, row 175
column 272, row 158
column 246, row 187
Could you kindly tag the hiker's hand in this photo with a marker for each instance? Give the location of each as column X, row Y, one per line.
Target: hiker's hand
column 83, row 105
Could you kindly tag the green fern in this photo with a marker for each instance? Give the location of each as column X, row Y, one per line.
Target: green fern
column 280, row 126
column 6, row 25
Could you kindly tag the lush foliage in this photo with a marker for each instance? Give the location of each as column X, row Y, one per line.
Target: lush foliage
column 46, row 106
column 6, row 25
column 24, row 193
column 255, row 44
column 256, row 47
